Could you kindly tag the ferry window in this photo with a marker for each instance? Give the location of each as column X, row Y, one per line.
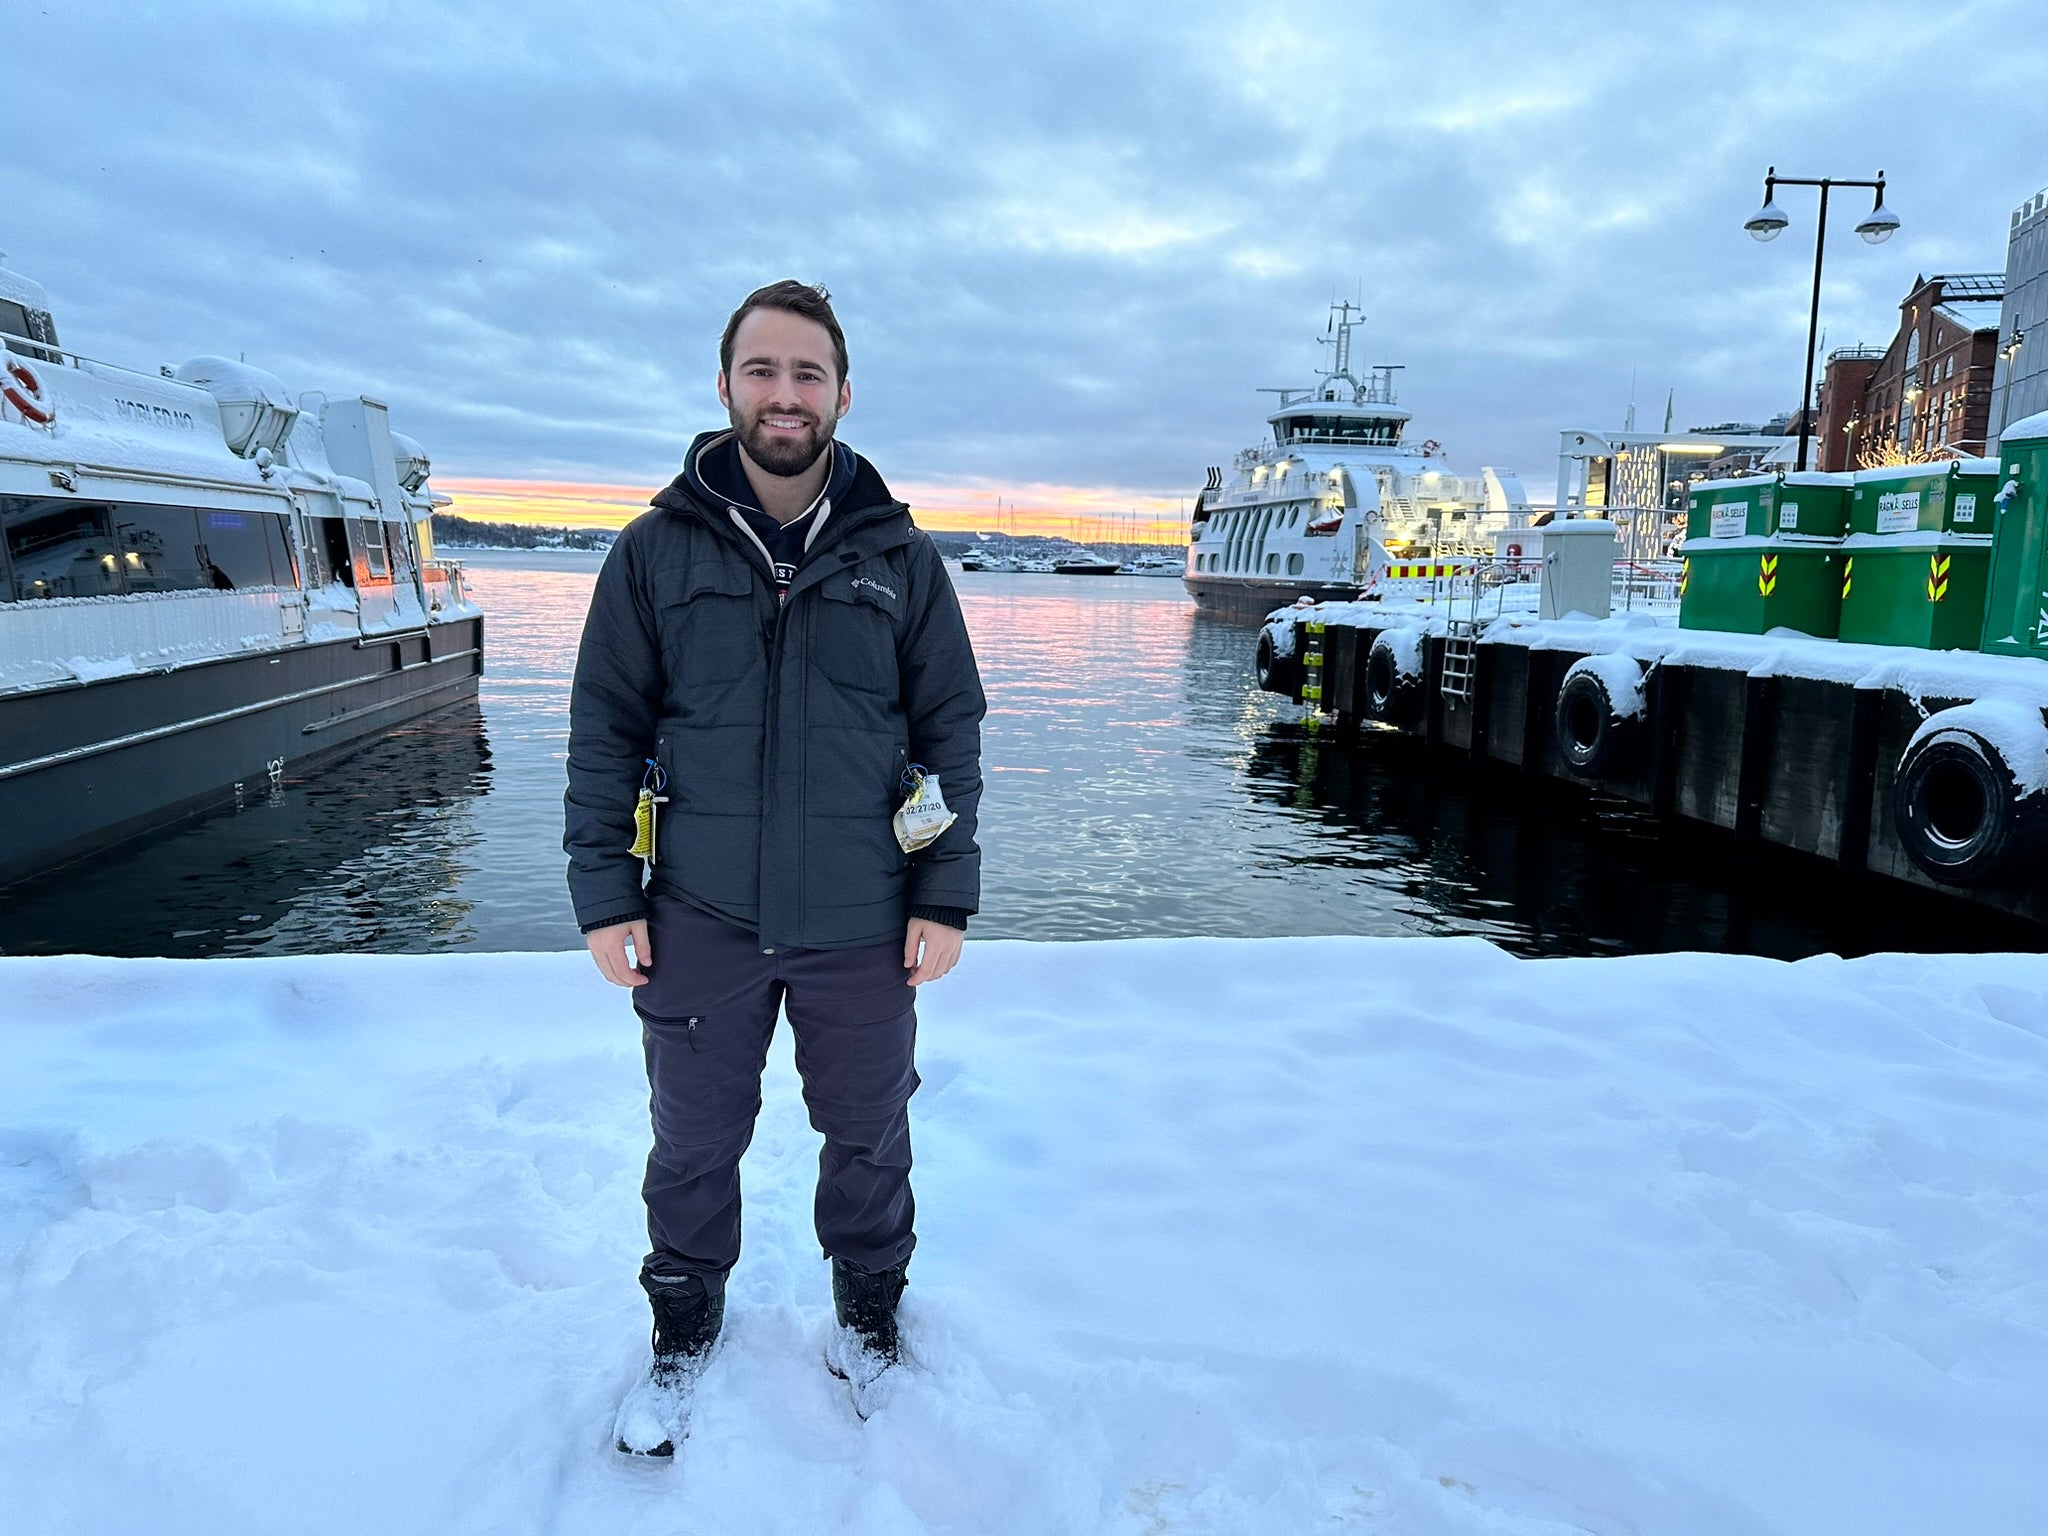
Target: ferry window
column 1273, row 565
column 373, row 547
column 233, row 550
column 395, row 542
column 1294, row 564
column 61, row 548
column 160, row 549
column 284, row 565
column 19, row 321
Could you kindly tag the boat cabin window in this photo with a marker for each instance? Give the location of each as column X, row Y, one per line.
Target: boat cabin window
column 160, row 549
column 373, row 548
column 62, row 548
column 235, row 549
column 401, row 559
column 26, row 326
column 1375, row 430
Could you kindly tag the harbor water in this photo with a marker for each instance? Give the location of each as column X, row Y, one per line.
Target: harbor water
column 1138, row 784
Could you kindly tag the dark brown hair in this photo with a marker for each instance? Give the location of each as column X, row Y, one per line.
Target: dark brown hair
column 807, row 299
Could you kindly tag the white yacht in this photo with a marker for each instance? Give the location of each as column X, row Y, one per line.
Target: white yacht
column 1336, row 499
column 205, row 581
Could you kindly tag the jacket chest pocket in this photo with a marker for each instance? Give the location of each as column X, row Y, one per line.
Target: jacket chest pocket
column 853, row 633
column 713, row 632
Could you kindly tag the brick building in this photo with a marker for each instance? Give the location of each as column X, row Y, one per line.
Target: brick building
column 1928, row 394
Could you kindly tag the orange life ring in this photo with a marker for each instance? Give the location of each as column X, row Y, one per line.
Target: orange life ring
column 1514, row 551
column 24, row 391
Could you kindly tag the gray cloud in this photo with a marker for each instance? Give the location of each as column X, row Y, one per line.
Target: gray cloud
column 1067, row 241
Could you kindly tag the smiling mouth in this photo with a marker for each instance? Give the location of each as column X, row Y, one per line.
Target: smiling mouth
column 786, row 423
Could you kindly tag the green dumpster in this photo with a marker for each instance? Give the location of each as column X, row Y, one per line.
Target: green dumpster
column 1915, row 568
column 1764, row 553
column 2016, row 607
column 1923, row 589
column 1950, row 497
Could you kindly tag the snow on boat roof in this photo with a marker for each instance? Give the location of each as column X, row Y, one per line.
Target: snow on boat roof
column 24, row 291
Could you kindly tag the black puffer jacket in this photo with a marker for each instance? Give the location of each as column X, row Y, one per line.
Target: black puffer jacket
column 784, row 728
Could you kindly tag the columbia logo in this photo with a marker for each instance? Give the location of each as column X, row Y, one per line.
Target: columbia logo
column 869, row 581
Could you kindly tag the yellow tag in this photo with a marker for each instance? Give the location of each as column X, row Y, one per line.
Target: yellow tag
column 644, row 813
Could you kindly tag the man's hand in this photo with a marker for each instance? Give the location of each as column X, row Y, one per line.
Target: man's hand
column 941, row 947
column 608, row 949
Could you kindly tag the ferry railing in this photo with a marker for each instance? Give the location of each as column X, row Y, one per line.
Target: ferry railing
column 65, row 357
column 442, row 581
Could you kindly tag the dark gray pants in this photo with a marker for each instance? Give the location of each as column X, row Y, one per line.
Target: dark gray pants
column 706, row 1015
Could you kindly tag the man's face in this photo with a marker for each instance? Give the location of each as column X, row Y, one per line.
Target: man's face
column 784, row 393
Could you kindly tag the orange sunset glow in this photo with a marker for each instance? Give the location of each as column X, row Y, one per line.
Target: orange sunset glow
column 1099, row 513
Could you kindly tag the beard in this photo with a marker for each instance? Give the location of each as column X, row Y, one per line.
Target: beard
column 780, row 454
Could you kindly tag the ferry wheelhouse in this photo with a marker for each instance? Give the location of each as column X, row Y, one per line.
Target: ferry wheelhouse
column 206, row 581
column 1337, row 500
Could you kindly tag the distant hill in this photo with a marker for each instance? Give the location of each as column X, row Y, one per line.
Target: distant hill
column 452, row 532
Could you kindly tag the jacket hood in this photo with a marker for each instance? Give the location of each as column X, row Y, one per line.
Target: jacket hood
column 866, row 497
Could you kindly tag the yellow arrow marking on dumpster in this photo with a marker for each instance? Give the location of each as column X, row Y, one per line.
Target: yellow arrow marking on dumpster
column 1767, row 575
column 1848, row 574
column 1937, row 577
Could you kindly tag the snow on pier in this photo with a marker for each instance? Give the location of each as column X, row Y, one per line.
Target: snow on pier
column 1688, row 1243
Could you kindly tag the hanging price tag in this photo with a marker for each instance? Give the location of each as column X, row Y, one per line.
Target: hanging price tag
column 923, row 816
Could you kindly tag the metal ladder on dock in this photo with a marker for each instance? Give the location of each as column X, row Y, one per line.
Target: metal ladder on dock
column 1461, row 659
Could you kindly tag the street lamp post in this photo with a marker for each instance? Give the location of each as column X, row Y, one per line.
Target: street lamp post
column 1768, row 222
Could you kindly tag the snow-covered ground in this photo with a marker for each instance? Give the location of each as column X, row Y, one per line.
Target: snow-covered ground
column 1219, row 1236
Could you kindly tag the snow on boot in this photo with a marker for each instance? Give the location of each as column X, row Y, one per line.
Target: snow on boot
column 655, row 1415
column 865, row 1345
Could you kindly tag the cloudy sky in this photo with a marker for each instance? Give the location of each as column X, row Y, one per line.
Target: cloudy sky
column 1067, row 240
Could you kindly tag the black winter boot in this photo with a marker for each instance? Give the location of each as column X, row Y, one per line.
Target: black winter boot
column 865, row 1345
column 866, row 1304
column 687, row 1317
column 655, row 1415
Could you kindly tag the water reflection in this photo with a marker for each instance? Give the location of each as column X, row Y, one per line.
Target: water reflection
column 1138, row 784
column 1543, row 869
column 364, row 854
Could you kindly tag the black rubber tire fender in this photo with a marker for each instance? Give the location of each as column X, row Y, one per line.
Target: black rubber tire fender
column 1959, row 811
column 1392, row 696
column 1277, row 673
column 1595, row 740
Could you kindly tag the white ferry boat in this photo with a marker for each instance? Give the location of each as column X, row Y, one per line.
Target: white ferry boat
column 205, row 582
column 1337, row 500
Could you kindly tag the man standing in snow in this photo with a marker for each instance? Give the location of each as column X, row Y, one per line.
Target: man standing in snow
column 775, row 675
